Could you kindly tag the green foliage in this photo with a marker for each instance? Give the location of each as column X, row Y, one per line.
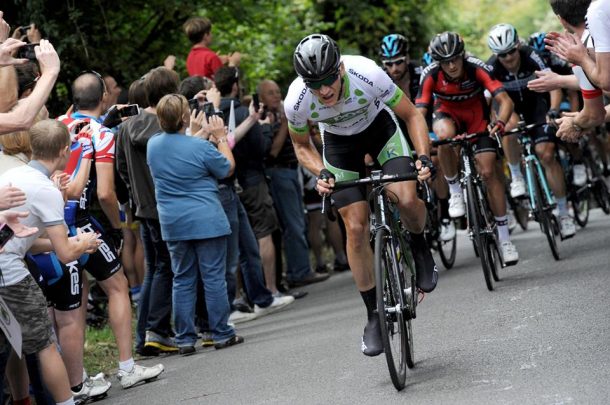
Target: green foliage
column 128, row 38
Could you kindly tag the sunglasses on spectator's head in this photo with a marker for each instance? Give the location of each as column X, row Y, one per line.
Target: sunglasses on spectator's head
column 505, row 54
column 397, row 62
column 99, row 76
column 327, row 81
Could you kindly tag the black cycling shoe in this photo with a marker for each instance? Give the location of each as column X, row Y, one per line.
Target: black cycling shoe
column 427, row 272
column 371, row 339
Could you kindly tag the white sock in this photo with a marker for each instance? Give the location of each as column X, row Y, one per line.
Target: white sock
column 127, row 365
column 454, row 184
column 515, row 171
column 503, row 234
column 562, row 206
column 68, row 402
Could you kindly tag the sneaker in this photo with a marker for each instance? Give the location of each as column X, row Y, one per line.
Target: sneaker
column 509, row 253
column 567, row 227
column 371, row 338
column 138, row 374
column 517, row 187
column 207, row 340
column 457, row 208
column 187, row 350
column 278, row 302
column 240, row 304
column 161, row 343
column 313, row 277
column 579, row 175
column 232, row 341
column 447, row 230
column 93, row 388
column 239, row 317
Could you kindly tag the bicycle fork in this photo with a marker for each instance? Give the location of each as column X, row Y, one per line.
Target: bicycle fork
column 533, row 167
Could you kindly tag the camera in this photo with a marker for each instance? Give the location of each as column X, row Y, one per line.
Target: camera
column 257, row 105
column 194, row 105
column 6, row 233
column 129, row 111
column 27, row 52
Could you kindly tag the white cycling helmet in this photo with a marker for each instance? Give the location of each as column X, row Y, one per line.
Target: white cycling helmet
column 502, row 38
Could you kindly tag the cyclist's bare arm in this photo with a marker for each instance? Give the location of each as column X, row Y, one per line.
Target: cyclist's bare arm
column 306, row 153
column 418, row 129
column 506, row 106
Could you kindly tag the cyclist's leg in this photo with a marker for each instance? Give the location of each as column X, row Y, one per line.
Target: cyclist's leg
column 445, row 127
column 344, row 157
column 512, row 152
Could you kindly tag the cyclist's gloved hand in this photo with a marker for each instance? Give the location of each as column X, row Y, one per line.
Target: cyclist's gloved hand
column 325, row 182
column 551, row 116
column 423, row 163
column 497, row 128
column 116, row 235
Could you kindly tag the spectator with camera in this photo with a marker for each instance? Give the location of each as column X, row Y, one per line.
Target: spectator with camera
column 286, row 190
column 50, row 141
column 185, row 170
column 201, row 60
column 22, row 116
column 97, row 143
column 153, row 334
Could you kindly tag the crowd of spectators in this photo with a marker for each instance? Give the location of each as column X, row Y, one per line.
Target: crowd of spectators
column 180, row 207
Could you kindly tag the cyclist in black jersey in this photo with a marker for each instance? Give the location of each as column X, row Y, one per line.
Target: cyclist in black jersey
column 514, row 65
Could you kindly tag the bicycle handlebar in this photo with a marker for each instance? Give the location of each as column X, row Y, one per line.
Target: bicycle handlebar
column 454, row 141
column 522, row 127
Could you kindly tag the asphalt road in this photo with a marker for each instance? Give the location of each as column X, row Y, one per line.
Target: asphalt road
column 542, row 337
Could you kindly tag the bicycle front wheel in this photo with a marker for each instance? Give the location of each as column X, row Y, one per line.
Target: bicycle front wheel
column 479, row 240
column 390, row 305
column 447, row 251
column 545, row 217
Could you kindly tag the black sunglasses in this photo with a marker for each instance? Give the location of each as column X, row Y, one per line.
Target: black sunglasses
column 99, row 77
column 327, row 81
column 397, row 62
column 505, row 54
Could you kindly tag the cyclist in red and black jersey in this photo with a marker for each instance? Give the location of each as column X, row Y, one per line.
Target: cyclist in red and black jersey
column 456, row 85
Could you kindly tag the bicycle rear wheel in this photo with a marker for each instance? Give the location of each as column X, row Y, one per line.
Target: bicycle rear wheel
column 390, row 305
column 480, row 241
column 447, row 251
column 545, row 217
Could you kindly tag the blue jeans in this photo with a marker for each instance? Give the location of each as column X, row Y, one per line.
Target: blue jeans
column 155, row 306
column 286, row 191
column 205, row 258
column 242, row 243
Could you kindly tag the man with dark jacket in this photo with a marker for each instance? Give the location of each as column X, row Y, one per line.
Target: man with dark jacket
column 250, row 153
column 155, row 306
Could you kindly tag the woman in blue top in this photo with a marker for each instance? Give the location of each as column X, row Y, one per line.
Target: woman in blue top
column 185, row 170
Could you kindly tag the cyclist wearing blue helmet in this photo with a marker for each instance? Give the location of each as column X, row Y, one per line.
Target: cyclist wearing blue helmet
column 394, row 53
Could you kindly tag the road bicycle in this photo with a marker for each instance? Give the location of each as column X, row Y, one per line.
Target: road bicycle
column 541, row 199
column 395, row 275
column 480, row 220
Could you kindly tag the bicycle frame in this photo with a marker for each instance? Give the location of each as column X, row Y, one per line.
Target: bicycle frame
column 533, row 163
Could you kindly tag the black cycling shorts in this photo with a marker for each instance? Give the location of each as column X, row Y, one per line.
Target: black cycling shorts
column 105, row 261
column 63, row 282
column 344, row 155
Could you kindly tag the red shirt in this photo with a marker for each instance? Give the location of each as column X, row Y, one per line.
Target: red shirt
column 202, row 61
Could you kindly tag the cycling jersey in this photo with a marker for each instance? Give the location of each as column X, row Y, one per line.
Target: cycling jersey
column 103, row 143
column 516, row 84
column 588, row 90
column 367, row 90
column 415, row 71
column 462, row 100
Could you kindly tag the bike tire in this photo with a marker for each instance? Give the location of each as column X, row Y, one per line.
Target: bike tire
column 580, row 206
column 389, row 297
column 602, row 195
column 447, row 252
column 479, row 240
column 545, row 217
column 495, row 261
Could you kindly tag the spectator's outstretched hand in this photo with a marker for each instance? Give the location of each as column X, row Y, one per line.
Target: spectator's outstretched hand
column 5, row 29
column 546, row 81
column 198, row 124
column 6, row 52
column 234, row 59
column 567, row 131
column 11, row 197
column 33, row 34
column 47, row 58
column 567, row 46
column 170, row 62
column 11, row 218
